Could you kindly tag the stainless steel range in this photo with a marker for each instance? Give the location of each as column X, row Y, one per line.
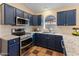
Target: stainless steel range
column 25, row 39
column 25, row 42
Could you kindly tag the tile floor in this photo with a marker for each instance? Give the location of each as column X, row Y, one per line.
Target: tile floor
column 40, row 51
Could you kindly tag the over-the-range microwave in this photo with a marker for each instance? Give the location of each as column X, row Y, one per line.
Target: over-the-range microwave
column 22, row 21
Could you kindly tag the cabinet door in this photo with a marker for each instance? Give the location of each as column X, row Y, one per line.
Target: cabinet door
column 9, row 14
column 37, row 39
column 35, row 20
column 58, row 46
column 39, row 20
column 40, row 40
column 30, row 20
column 17, row 49
column 14, row 47
column 61, row 18
column 51, row 42
column 13, row 50
column 71, row 17
column 44, row 40
column 26, row 16
column 19, row 13
column 29, row 16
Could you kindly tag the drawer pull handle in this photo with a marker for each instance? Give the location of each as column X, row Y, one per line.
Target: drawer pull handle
column 62, row 44
column 14, row 40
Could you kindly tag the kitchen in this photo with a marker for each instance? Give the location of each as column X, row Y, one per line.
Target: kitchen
column 24, row 28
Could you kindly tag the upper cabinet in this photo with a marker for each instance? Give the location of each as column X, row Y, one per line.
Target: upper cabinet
column 66, row 18
column 61, row 18
column 8, row 14
column 39, row 20
column 71, row 17
column 26, row 15
column 19, row 13
column 35, row 20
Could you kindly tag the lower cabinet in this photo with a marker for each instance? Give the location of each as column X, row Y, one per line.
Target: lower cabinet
column 58, row 45
column 14, row 47
column 39, row 40
column 53, row 42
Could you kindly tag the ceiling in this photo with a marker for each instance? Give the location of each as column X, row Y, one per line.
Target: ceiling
column 40, row 7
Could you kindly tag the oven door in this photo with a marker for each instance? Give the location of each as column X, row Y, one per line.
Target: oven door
column 26, row 42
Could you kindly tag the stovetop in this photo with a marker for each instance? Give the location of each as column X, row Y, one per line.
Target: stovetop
column 22, row 35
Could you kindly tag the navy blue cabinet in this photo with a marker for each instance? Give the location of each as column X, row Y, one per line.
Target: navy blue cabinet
column 19, row 13
column 30, row 16
column 61, row 18
column 53, row 42
column 39, row 20
column 58, row 43
column 40, row 40
column 14, row 47
column 71, row 17
column 9, row 14
column 66, row 18
column 35, row 20
column 26, row 16
column 30, row 19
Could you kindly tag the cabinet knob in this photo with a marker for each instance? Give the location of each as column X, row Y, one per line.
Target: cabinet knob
column 14, row 40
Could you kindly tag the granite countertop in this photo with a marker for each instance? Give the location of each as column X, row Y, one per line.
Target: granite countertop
column 71, row 45
column 8, row 37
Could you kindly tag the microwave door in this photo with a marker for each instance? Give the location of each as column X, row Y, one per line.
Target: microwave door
column 21, row 21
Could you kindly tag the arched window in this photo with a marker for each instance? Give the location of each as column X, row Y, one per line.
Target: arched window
column 50, row 23
column 50, row 18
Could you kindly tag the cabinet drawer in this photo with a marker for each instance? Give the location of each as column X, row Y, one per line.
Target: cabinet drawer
column 43, row 36
column 12, row 41
column 58, row 37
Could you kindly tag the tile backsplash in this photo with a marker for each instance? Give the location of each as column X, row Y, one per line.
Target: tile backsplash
column 6, row 29
column 64, row 29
